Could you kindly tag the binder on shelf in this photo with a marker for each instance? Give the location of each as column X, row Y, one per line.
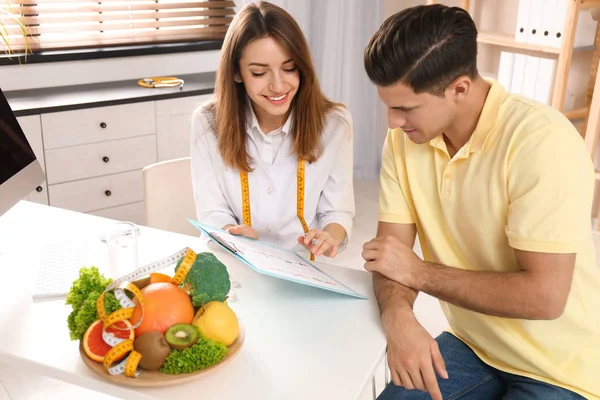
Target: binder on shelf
column 558, row 22
column 542, row 25
column 547, row 22
column 516, row 85
column 522, row 21
column 585, row 33
column 544, row 84
column 505, row 69
column 530, row 76
column 534, row 22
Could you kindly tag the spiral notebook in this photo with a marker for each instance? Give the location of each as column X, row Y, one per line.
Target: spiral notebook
column 275, row 261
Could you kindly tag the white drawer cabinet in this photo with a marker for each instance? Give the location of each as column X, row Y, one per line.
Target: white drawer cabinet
column 33, row 132
column 93, row 157
column 97, row 159
column 98, row 193
column 99, row 124
column 173, row 125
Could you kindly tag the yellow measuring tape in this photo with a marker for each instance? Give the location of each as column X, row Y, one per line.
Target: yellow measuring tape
column 299, row 198
column 245, row 198
column 160, row 81
column 121, row 347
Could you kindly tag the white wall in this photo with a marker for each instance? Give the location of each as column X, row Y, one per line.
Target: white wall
column 393, row 6
column 28, row 76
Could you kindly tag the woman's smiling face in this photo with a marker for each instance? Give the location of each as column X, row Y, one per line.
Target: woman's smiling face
column 270, row 76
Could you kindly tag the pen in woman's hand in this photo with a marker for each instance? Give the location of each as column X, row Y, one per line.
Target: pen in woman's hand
column 313, row 241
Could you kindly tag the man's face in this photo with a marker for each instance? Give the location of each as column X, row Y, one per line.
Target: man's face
column 421, row 116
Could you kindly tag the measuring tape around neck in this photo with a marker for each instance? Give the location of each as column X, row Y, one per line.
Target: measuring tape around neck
column 245, row 198
column 299, row 198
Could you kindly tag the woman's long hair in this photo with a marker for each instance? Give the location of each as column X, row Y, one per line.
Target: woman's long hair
column 309, row 107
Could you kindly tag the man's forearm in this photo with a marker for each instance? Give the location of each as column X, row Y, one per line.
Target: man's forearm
column 502, row 294
column 392, row 297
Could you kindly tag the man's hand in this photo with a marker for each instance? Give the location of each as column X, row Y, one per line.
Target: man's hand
column 324, row 243
column 413, row 355
column 242, row 230
column 393, row 259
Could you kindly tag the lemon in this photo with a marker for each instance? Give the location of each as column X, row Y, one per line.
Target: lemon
column 218, row 322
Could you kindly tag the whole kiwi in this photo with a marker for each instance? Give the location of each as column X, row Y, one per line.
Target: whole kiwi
column 154, row 350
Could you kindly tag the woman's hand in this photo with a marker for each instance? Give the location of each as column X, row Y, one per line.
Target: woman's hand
column 320, row 243
column 242, row 230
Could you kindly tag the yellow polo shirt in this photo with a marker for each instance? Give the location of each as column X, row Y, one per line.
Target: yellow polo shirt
column 524, row 181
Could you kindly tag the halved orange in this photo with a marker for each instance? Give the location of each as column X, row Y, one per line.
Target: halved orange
column 95, row 347
column 158, row 277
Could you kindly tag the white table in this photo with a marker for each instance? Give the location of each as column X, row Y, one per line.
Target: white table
column 301, row 342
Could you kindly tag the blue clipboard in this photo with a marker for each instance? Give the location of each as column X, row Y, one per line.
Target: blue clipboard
column 275, row 261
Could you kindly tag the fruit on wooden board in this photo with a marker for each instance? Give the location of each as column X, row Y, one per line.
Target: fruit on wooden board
column 217, row 321
column 181, row 336
column 154, row 350
column 95, row 347
column 164, row 306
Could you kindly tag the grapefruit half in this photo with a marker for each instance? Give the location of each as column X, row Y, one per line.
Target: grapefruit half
column 95, row 347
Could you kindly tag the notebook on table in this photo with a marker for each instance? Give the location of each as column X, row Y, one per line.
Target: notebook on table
column 275, row 261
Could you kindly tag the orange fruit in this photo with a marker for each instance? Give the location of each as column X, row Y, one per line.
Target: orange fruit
column 95, row 347
column 164, row 306
column 158, row 277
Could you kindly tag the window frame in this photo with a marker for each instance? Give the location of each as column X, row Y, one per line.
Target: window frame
column 110, row 52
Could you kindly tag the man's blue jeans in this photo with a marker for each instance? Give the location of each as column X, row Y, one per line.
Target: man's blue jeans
column 471, row 379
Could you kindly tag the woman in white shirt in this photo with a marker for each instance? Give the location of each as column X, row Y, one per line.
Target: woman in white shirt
column 272, row 157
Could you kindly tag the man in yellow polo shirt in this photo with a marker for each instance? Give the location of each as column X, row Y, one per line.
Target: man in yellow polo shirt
column 499, row 189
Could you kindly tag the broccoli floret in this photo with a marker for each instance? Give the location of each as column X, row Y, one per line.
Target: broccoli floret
column 207, row 280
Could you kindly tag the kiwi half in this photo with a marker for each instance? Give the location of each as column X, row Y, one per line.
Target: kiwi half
column 181, row 336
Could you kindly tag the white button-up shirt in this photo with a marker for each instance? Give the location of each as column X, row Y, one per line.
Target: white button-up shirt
column 328, row 194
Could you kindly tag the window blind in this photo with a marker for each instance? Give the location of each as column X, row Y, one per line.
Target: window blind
column 73, row 24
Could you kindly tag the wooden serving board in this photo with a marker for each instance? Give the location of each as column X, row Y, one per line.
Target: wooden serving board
column 156, row 378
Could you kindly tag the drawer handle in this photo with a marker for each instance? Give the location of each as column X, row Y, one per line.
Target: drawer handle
column 39, row 189
column 102, row 125
column 105, row 159
column 107, row 192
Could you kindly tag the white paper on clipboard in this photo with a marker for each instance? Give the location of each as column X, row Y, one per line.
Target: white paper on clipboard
column 275, row 261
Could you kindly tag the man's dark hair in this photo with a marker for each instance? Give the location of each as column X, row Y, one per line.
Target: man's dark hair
column 424, row 47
